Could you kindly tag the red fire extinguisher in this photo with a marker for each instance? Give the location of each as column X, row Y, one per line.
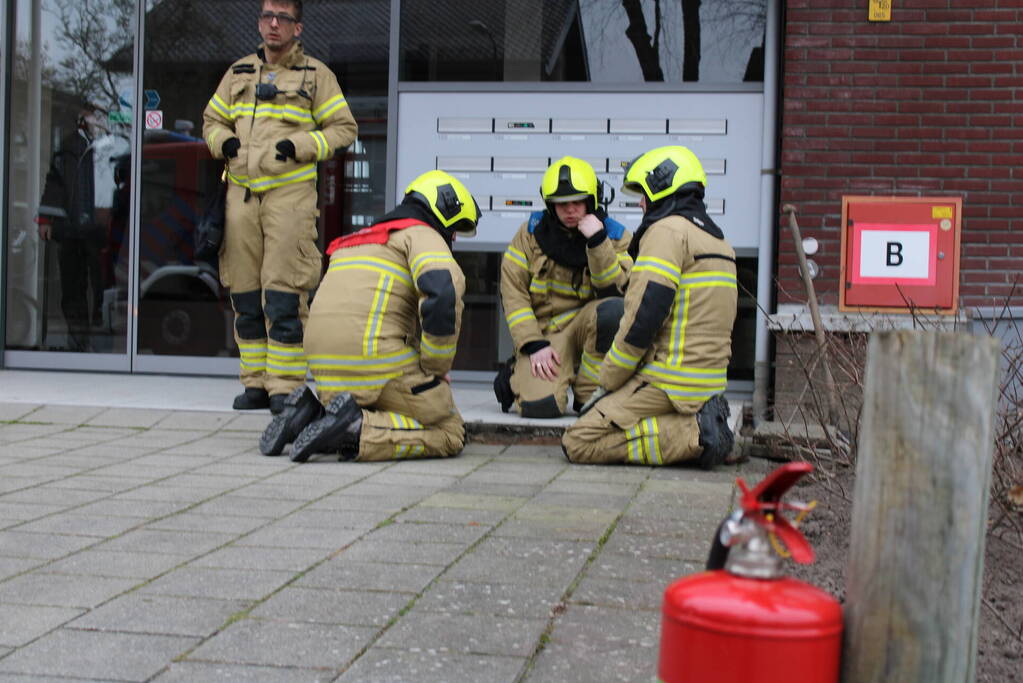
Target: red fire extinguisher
column 743, row 620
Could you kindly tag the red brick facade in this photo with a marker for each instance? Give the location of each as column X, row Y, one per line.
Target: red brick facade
column 929, row 103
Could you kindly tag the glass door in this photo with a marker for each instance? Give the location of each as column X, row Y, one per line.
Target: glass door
column 185, row 320
column 67, row 241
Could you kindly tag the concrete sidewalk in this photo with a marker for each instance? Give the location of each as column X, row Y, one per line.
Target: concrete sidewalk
column 158, row 544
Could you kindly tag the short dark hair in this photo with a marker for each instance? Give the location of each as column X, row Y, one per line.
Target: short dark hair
column 297, row 4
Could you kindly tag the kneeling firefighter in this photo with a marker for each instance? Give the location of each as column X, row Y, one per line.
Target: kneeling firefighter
column 666, row 370
column 381, row 336
column 562, row 279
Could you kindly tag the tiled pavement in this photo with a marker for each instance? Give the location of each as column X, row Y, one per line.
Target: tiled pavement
column 158, row 545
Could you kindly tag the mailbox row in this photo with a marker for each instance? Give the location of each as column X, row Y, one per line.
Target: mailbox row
column 564, row 126
column 623, row 204
column 485, row 164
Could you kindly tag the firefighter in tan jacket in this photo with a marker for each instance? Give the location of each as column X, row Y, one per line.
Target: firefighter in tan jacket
column 562, row 278
column 666, row 369
column 275, row 114
column 381, row 336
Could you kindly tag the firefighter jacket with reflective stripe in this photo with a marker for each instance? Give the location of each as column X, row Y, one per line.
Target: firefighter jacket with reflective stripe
column 679, row 310
column 309, row 109
column 541, row 296
column 384, row 310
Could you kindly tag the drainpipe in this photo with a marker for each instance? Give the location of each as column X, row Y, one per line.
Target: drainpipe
column 768, row 175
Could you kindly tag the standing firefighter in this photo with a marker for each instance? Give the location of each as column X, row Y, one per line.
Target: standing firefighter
column 562, row 279
column 276, row 113
column 382, row 334
column 666, row 369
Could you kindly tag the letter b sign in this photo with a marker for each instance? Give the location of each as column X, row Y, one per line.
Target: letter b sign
column 894, row 257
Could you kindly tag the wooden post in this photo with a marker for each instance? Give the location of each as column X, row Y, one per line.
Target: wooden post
column 920, row 508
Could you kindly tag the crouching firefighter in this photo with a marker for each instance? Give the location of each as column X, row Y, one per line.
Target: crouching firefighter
column 381, row 336
column 661, row 399
column 562, row 279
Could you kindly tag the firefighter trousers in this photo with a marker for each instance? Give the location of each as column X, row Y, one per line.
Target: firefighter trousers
column 638, row 425
column 271, row 263
column 413, row 416
column 581, row 345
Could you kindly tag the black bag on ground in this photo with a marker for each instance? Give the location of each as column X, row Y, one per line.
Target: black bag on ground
column 209, row 231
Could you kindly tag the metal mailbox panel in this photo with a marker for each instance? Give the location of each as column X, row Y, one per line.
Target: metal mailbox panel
column 456, row 163
column 522, row 125
column 698, row 126
column 520, row 164
column 516, row 203
column 461, row 124
column 579, row 126
column 639, row 126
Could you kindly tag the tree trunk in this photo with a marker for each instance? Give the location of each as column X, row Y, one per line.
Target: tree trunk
column 649, row 60
column 690, row 40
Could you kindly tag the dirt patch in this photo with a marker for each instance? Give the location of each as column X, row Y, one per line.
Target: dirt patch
column 1000, row 641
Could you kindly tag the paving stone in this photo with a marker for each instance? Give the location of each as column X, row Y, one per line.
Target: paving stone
column 74, row 524
column 128, row 417
column 213, row 483
column 120, row 507
column 17, row 484
column 606, row 474
column 470, row 501
column 271, row 643
column 15, row 411
column 499, row 472
column 243, row 506
column 166, row 493
column 95, row 654
column 657, row 546
column 157, row 614
column 222, row 584
column 624, row 567
column 553, row 529
column 20, row 624
column 190, row 672
column 427, row 480
column 342, row 500
column 332, row 519
column 586, row 501
column 541, row 551
column 65, row 415
column 48, row 495
column 187, row 521
column 407, row 578
column 465, row 634
column 535, row 453
column 116, row 564
column 41, row 546
column 413, row 532
column 625, row 594
column 59, row 590
column 12, row 513
column 497, row 568
column 497, row 599
column 284, row 537
column 274, row 491
column 452, row 467
column 484, row 489
column 384, row 665
column 90, row 482
column 276, row 559
column 681, row 526
column 600, row 644
column 333, row 606
column 367, row 550
column 445, row 515
column 483, row 449
column 45, row 469
column 247, row 423
column 616, row 490
column 11, row 566
column 171, row 542
column 195, row 421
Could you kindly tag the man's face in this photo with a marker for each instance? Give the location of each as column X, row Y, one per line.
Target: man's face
column 570, row 213
column 279, row 30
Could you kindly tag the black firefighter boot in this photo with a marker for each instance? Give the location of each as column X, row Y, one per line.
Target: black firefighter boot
column 716, row 436
column 300, row 408
column 337, row 431
column 251, row 399
column 277, row 403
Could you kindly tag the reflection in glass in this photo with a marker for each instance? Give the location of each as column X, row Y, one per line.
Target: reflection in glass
column 69, row 144
column 599, row 41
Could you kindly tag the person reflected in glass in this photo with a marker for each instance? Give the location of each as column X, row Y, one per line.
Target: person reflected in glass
column 68, row 215
column 276, row 113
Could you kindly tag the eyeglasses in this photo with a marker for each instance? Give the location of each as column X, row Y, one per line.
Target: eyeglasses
column 282, row 18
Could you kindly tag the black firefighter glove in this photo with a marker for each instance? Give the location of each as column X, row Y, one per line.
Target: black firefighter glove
column 230, row 147
column 285, row 150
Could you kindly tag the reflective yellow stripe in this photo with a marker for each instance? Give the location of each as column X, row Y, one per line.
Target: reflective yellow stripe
column 678, row 325
column 375, row 320
column 652, row 264
column 332, row 105
column 355, row 382
column 517, row 257
column 282, row 112
column 322, row 148
column 709, row 279
column 382, row 362
column 285, row 360
column 559, row 321
column 430, row 257
column 264, row 183
column 590, row 366
column 620, row 358
column 218, row 105
column 437, row 351
column 519, row 315
column 371, row 263
column 607, row 276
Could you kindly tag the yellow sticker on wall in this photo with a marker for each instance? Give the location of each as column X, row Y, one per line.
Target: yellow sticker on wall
column 880, row 10
column 941, row 212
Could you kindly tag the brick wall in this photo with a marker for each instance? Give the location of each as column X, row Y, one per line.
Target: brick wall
column 930, row 103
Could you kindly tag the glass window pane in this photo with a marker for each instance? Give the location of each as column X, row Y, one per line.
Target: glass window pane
column 183, row 309
column 599, row 41
column 70, row 133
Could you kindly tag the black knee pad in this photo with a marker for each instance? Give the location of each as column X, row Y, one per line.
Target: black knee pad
column 546, row 407
column 248, row 308
column 502, row 385
column 609, row 314
column 282, row 310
